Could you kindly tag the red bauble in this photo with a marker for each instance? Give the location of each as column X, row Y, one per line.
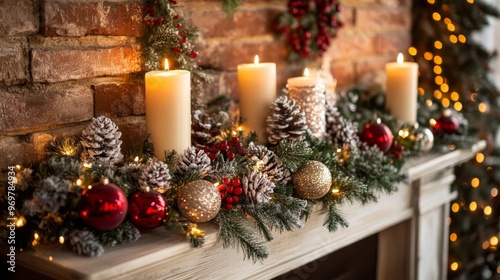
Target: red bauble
column 446, row 124
column 103, row 206
column 377, row 134
column 147, row 209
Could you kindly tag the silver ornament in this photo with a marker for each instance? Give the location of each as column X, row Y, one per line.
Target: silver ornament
column 199, row 201
column 426, row 140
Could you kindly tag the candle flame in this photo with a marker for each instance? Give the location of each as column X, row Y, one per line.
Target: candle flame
column 306, row 72
column 166, row 64
column 400, row 58
column 256, row 59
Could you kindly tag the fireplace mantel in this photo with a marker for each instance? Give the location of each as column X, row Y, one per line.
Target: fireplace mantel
column 411, row 225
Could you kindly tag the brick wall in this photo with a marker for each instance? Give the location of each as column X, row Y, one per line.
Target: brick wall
column 64, row 62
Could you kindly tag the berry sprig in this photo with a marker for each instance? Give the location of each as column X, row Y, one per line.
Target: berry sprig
column 169, row 36
column 308, row 26
column 397, row 150
column 228, row 149
column 230, row 192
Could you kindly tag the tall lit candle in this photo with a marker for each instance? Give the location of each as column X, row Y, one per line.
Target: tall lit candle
column 401, row 91
column 257, row 90
column 168, row 109
column 309, row 93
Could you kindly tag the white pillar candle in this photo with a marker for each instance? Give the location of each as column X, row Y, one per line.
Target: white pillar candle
column 168, row 110
column 257, row 90
column 309, row 93
column 401, row 90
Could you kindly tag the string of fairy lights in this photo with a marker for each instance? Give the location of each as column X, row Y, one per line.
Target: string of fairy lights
column 448, row 98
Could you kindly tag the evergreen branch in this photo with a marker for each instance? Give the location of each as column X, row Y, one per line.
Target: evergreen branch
column 230, row 6
column 321, row 151
column 334, row 218
column 65, row 147
column 375, row 170
column 124, row 233
column 234, row 231
column 293, row 154
column 350, row 189
column 282, row 214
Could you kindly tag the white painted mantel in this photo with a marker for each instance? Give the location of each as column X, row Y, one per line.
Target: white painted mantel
column 411, row 225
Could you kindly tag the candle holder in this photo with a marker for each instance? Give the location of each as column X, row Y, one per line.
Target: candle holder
column 312, row 101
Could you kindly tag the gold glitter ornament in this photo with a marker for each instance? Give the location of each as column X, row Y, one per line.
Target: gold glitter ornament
column 312, row 180
column 199, row 201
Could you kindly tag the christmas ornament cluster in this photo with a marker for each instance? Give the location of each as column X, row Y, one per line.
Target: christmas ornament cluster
column 91, row 194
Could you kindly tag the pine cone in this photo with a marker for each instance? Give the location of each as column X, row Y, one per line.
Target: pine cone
column 205, row 128
column 194, row 160
column 155, row 175
column 101, row 142
column 124, row 233
column 49, row 197
column 257, row 188
column 285, row 121
column 268, row 163
column 340, row 132
column 84, row 242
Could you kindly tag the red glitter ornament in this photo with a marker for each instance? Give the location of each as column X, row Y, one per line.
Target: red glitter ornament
column 377, row 134
column 103, row 206
column 146, row 209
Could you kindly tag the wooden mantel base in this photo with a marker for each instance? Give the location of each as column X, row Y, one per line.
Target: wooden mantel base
column 411, row 226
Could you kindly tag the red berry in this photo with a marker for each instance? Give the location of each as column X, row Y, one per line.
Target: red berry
column 235, row 140
column 178, row 25
column 228, row 206
column 229, row 199
column 212, row 156
column 222, row 195
column 226, row 181
column 231, row 155
column 236, row 182
column 193, row 54
column 222, row 187
column 238, row 191
column 230, row 189
column 235, row 199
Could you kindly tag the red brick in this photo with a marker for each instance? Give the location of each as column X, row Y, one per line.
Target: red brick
column 27, row 109
column 53, row 65
column 351, row 47
column 13, row 61
column 228, row 54
column 393, row 43
column 371, row 70
column 18, row 17
column 360, row 3
column 242, row 23
column 133, row 131
column 80, row 19
column 343, row 72
column 396, row 3
column 377, row 20
column 119, row 100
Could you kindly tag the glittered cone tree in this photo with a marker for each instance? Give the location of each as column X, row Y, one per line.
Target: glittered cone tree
column 453, row 74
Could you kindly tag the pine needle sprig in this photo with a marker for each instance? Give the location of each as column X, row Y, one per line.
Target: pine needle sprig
column 376, row 170
column 234, row 231
column 124, row 233
column 334, row 219
column 293, row 154
column 282, row 214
